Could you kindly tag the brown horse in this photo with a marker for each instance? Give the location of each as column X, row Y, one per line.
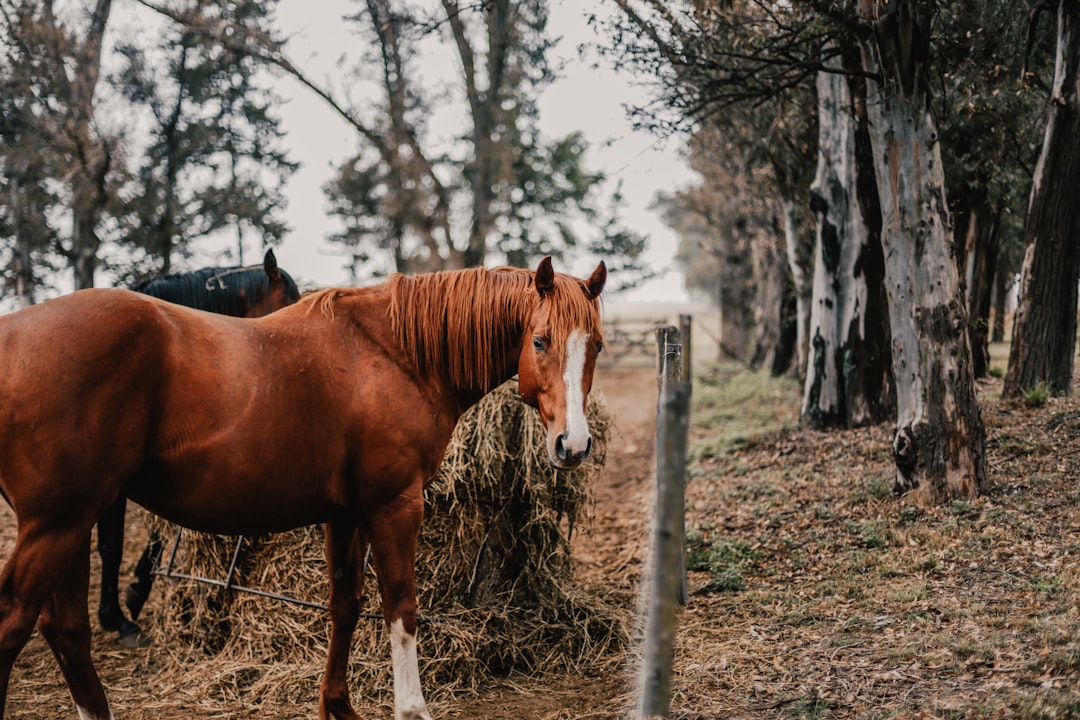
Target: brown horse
column 337, row 409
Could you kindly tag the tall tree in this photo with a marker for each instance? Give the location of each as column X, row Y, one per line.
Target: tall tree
column 213, row 160
column 26, row 196
column 940, row 442
column 939, row 445
column 502, row 188
column 718, row 225
column 990, row 128
column 717, row 69
column 1044, row 329
column 752, row 69
column 498, row 187
column 60, row 95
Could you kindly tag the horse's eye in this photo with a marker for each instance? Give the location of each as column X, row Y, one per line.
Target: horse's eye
column 539, row 344
column 599, row 347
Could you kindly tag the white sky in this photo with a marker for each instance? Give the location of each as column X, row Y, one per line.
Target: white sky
column 584, row 98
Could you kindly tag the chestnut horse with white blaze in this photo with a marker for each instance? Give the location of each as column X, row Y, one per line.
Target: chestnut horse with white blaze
column 336, row 409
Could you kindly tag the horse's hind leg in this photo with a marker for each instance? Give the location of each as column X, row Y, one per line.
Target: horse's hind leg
column 39, row 562
column 111, row 548
column 65, row 625
column 343, row 544
column 138, row 592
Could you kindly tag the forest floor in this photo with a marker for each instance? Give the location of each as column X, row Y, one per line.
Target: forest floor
column 815, row 593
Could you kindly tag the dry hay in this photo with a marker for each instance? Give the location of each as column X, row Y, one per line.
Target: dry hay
column 495, row 581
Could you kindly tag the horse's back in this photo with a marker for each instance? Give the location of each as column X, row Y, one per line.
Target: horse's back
column 73, row 344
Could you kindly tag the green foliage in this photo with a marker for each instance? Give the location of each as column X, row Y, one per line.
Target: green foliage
column 990, row 115
column 213, row 161
column 1038, row 395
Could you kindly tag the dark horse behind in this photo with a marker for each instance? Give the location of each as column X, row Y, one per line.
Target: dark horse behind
column 251, row 292
column 336, row 410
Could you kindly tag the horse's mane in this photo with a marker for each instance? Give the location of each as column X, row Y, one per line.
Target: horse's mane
column 464, row 323
column 221, row 290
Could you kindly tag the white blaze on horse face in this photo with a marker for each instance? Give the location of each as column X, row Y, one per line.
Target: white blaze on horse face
column 408, row 697
column 577, row 427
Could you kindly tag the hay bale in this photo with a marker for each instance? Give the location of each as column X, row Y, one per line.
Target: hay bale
column 494, row 571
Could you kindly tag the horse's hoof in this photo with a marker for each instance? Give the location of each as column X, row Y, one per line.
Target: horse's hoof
column 132, row 637
column 135, row 598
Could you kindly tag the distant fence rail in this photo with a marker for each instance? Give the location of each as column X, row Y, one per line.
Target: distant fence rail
column 628, row 339
column 630, row 331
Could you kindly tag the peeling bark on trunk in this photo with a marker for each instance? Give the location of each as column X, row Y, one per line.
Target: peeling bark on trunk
column 940, row 441
column 848, row 370
column 1044, row 329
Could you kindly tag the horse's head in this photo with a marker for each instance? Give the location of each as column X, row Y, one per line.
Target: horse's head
column 558, row 355
column 279, row 290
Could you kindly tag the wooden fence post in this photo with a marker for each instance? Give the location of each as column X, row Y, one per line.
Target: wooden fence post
column 673, row 368
column 685, row 324
column 668, row 563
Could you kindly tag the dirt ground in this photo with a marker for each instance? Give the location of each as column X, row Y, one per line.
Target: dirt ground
column 609, row 552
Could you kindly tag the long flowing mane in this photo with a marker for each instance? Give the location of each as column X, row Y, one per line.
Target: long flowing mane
column 467, row 322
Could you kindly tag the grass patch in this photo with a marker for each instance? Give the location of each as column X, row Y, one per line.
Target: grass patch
column 1037, row 396
column 733, row 406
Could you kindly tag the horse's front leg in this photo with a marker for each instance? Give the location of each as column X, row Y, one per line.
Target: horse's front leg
column 393, row 548
column 343, row 543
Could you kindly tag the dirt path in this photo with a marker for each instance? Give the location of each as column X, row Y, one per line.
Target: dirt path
column 609, row 552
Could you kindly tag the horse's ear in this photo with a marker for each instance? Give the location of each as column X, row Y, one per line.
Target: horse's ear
column 545, row 277
column 595, row 284
column 270, row 266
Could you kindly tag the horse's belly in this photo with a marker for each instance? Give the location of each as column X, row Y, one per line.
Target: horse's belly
column 229, row 502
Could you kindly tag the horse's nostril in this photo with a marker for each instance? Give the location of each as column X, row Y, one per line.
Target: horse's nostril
column 560, row 448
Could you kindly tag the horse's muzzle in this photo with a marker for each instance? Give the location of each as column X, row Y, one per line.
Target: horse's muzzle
column 565, row 457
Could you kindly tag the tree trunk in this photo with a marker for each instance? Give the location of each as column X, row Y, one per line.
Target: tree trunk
column 793, row 239
column 774, row 336
column 848, row 371
column 1002, row 280
column 940, row 443
column 24, row 268
column 736, row 295
column 89, row 152
column 1044, row 329
column 981, row 243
